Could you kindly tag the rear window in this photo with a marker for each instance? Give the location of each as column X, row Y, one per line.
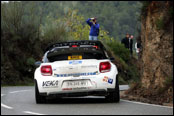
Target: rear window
column 76, row 54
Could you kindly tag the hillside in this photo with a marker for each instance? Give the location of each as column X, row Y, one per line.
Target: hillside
column 117, row 17
column 27, row 28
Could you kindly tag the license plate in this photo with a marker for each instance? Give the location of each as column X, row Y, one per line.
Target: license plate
column 77, row 83
column 75, row 57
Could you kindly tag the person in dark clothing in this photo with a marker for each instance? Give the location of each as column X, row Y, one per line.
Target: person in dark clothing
column 125, row 41
column 128, row 42
column 131, row 44
column 94, row 32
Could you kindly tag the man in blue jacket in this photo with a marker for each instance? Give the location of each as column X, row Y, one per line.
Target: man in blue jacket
column 94, row 32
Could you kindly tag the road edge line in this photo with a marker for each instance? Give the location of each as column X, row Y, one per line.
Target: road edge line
column 146, row 104
column 5, row 106
column 19, row 91
column 34, row 113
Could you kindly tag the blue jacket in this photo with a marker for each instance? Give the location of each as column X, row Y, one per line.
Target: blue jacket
column 94, row 28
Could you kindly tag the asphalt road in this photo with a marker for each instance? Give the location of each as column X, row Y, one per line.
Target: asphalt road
column 21, row 101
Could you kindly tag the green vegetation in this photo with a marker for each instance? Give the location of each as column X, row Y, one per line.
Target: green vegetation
column 126, row 64
column 120, row 50
column 168, row 81
column 160, row 23
column 144, row 7
column 171, row 12
column 30, row 27
column 117, row 17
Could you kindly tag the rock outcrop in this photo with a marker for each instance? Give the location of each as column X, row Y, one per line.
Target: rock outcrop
column 156, row 62
column 157, row 44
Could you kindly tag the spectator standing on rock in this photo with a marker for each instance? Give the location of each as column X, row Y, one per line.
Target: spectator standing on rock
column 94, row 32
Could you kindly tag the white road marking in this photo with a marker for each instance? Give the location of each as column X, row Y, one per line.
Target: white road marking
column 34, row 113
column 146, row 104
column 5, row 106
column 28, row 112
column 19, row 91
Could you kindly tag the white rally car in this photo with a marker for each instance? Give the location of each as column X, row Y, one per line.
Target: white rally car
column 76, row 68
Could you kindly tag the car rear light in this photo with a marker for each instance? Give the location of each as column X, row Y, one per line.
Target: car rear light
column 104, row 67
column 74, row 46
column 46, row 70
column 95, row 47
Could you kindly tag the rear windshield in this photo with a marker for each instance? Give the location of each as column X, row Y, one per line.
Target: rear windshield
column 76, row 54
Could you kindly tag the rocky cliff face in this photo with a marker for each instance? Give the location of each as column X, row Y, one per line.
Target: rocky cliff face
column 157, row 45
column 156, row 56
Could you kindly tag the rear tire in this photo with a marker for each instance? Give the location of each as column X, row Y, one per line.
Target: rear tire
column 115, row 95
column 39, row 99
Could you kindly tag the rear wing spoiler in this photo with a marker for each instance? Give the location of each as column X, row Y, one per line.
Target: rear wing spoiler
column 70, row 51
column 78, row 43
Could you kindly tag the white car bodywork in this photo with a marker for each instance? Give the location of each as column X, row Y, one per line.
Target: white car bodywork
column 70, row 76
column 76, row 68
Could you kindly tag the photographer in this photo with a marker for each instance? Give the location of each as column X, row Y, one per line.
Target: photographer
column 94, row 32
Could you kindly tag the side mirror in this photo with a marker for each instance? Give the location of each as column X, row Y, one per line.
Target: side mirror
column 37, row 64
column 112, row 59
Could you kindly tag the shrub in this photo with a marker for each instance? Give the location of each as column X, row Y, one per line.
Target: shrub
column 159, row 23
column 121, row 80
column 30, row 61
column 119, row 50
column 171, row 12
column 168, row 81
column 144, row 8
column 126, row 65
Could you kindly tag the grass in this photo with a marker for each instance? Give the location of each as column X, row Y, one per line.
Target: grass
column 27, row 82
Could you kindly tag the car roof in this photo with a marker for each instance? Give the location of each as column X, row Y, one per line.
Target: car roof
column 80, row 42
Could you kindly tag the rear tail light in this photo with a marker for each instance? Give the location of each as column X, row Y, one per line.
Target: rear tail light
column 95, row 47
column 46, row 70
column 74, row 46
column 105, row 67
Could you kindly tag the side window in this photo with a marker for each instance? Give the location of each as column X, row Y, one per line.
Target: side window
column 106, row 54
column 45, row 59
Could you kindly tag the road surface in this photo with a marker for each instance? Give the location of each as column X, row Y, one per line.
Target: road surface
column 21, row 101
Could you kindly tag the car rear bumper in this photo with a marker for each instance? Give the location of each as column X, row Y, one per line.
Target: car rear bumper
column 97, row 92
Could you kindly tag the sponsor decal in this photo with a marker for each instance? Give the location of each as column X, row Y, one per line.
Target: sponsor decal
column 108, row 80
column 75, row 62
column 89, row 66
column 105, row 79
column 47, row 84
column 64, row 89
column 79, row 88
column 76, row 74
